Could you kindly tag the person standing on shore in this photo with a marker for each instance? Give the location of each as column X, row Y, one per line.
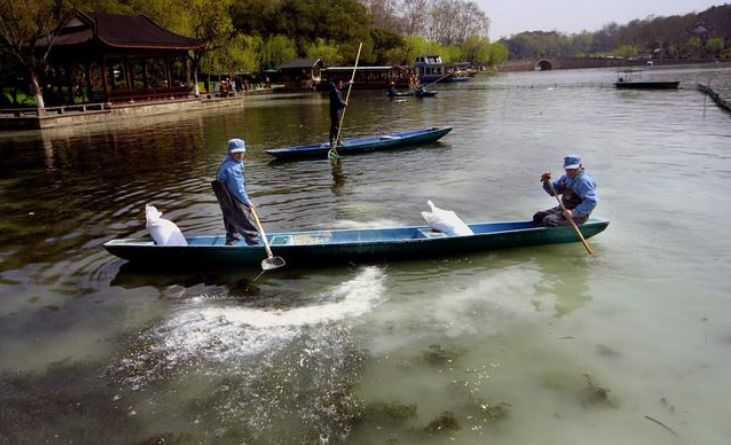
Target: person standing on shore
column 337, row 104
column 578, row 192
column 230, row 189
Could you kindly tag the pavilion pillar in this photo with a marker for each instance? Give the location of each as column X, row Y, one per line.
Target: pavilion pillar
column 105, row 79
column 89, row 83
column 58, row 82
column 187, row 71
column 145, row 80
column 169, row 72
column 128, row 75
column 69, row 84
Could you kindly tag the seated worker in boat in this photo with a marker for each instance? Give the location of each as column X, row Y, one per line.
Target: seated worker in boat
column 230, row 190
column 392, row 89
column 578, row 192
column 420, row 91
column 336, row 107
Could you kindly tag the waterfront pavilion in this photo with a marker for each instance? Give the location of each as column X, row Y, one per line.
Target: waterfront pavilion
column 116, row 58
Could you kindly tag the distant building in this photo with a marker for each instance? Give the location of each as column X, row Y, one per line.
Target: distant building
column 370, row 77
column 301, row 74
column 701, row 30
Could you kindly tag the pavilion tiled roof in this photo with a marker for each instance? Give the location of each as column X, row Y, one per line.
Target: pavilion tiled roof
column 120, row 31
column 299, row 63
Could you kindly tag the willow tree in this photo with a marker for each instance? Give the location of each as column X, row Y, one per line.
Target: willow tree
column 24, row 25
column 211, row 22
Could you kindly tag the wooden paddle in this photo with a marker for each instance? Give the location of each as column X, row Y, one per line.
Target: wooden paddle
column 332, row 154
column 571, row 220
column 272, row 262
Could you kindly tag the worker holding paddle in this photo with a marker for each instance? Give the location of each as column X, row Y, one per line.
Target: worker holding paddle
column 578, row 198
column 230, row 189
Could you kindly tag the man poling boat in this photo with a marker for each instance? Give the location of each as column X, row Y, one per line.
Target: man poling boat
column 333, row 152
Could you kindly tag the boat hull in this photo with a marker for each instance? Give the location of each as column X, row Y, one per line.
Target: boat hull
column 648, row 85
column 413, row 93
column 363, row 144
column 327, row 247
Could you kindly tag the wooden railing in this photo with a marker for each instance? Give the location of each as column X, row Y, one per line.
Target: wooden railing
column 35, row 112
column 149, row 94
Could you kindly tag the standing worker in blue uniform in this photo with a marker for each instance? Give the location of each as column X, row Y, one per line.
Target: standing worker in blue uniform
column 578, row 192
column 230, row 189
column 336, row 108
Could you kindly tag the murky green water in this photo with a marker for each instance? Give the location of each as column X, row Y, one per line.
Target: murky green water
column 534, row 345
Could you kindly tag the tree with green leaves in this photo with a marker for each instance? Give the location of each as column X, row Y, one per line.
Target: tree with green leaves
column 27, row 32
column 383, row 42
column 276, row 50
column 715, row 46
column 476, row 50
column 626, row 51
column 242, row 54
column 326, row 51
column 498, row 53
column 693, row 48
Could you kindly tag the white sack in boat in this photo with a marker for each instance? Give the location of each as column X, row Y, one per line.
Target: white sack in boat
column 445, row 221
column 163, row 231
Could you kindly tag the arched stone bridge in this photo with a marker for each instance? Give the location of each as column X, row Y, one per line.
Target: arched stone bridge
column 567, row 63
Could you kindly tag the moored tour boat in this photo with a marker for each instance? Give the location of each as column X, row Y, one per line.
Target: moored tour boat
column 342, row 246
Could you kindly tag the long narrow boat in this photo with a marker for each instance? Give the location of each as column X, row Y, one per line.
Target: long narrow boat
column 413, row 93
column 648, row 85
column 362, row 144
column 319, row 247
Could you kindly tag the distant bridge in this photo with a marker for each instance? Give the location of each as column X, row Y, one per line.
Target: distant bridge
column 568, row 63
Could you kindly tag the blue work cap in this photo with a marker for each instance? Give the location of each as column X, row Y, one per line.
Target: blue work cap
column 236, row 146
column 572, row 161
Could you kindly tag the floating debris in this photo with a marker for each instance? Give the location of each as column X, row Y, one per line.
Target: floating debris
column 165, row 439
column 662, row 425
column 665, row 402
column 607, row 351
column 445, row 422
column 437, row 355
column 388, row 412
column 595, row 395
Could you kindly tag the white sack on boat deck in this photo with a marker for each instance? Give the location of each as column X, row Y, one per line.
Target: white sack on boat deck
column 163, row 231
column 445, row 221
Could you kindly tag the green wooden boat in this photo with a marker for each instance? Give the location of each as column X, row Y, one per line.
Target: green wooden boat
column 320, row 247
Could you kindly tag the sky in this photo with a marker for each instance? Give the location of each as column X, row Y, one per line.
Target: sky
column 570, row 16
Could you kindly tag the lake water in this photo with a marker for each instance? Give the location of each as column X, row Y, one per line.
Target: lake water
column 540, row 345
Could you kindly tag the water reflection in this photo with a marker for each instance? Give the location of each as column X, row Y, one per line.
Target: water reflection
column 338, row 176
